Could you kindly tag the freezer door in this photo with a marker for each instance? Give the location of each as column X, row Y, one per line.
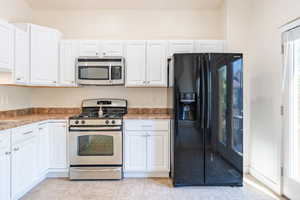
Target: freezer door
column 224, row 138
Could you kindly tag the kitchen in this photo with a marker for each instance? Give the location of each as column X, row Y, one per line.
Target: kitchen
column 40, row 106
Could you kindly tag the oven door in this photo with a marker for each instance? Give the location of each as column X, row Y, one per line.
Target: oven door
column 93, row 74
column 96, row 148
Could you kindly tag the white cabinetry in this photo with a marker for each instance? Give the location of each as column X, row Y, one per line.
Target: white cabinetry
column 5, row 167
column 58, row 145
column 68, row 53
column 180, row 46
column 89, row 48
column 24, row 160
column 147, row 148
column 135, row 63
column 209, row 46
column 112, row 48
column 6, row 46
column 43, row 149
column 146, row 64
column 156, row 64
column 44, row 55
column 21, row 58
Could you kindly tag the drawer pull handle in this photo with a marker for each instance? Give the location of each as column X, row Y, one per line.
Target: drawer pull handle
column 16, row 149
column 27, row 133
column 147, row 126
column 41, row 129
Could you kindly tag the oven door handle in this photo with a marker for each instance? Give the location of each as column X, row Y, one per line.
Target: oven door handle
column 97, row 170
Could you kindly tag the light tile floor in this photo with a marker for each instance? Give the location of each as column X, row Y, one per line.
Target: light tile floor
column 143, row 189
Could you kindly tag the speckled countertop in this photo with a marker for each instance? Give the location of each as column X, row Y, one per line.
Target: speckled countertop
column 13, row 122
column 16, row 118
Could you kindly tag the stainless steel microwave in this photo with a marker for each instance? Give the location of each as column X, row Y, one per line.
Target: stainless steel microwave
column 100, row 71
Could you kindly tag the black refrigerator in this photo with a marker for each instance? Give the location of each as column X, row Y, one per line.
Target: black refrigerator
column 207, row 124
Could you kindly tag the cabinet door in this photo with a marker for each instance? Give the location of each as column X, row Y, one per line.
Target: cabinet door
column 43, row 157
column 44, row 55
column 135, row 151
column 136, row 64
column 158, row 151
column 89, row 48
column 5, row 165
column 24, row 164
column 21, row 69
column 112, row 48
column 58, row 145
column 209, row 46
column 156, row 64
column 181, row 46
column 6, row 47
column 68, row 54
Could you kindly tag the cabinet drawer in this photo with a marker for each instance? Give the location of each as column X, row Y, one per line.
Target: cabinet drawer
column 4, row 139
column 147, row 125
column 23, row 133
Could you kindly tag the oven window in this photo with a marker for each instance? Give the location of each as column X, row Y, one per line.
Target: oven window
column 93, row 73
column 116, row 72
column 95, row 145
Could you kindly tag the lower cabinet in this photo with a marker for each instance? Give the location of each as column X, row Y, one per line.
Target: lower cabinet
column 43, row 149
column 58, row 145
column 5, row 171
column 24, row 164
column 147, row 148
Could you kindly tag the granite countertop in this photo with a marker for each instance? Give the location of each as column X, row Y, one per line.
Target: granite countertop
column 13, row 122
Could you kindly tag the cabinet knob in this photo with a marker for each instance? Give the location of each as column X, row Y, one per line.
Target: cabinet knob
column 7, row 153
column 148, row 82
column 16, row 149
column 18, row 79
column 144, row 82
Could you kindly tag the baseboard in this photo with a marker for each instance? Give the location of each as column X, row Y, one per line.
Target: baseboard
column 146, row 174
column 58, row 173
column 275, row 187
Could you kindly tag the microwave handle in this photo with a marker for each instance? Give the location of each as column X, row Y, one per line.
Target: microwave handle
column 109, row 74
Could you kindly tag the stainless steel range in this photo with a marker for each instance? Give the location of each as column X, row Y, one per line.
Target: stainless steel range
column 96, row 140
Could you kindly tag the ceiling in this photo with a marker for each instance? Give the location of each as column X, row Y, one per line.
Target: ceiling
column 125, row 4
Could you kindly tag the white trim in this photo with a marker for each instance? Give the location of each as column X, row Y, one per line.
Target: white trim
column 274, row 186
column 289, row 26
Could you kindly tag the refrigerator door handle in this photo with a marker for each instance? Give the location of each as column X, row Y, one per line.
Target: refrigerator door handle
column 208, row 89
column 202, row 93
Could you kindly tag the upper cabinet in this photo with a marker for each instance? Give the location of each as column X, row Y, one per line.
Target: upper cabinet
column 21, row 58
column 68, row 54
column 209, row 46
column 6, row 46
column 156, row 63
column 112, row 48
column 89, row 48
column 181, row 46
column 135, row 63
column 44, row 52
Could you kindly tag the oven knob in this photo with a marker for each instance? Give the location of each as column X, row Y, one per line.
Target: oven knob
column 82, row 122
column 113, row 121
column 76, row 122
column 106, row 122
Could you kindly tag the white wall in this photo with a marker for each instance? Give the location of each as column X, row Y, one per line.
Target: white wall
column 72, row 97
column 133, row 24
column 268, row 16
column 124, row 24
column 14, row 97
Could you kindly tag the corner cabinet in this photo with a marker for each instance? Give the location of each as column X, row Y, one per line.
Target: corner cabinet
column 44, row 52
column 69, row 51
column 147, row 148
column 7, row 46
column 146, row 64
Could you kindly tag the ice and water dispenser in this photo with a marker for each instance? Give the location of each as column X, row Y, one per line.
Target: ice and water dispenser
column 187, row 106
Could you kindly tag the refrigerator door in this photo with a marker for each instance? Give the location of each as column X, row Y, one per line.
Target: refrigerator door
column 223, row 137
column 188, row 136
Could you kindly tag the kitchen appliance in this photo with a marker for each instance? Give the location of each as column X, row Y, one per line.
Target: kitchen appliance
column 207, row 128
column 100, row 71
column 96, row 140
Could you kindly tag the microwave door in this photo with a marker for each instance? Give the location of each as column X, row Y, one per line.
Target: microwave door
column 93, row 75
